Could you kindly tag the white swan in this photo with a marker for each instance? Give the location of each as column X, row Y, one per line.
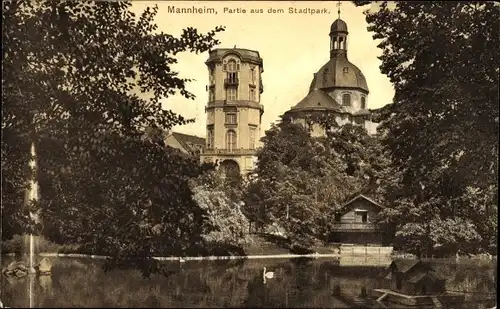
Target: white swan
column 267, row 275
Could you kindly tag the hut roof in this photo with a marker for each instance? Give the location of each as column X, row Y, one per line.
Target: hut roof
column 404, row 266
column 419, row 276
column 416, row 277
column 414, row 270
column 361, row 196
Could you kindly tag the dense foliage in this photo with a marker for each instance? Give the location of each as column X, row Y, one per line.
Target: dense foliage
column 442, row 133
column 83, row 82
column 218, row 196
column 301, row 180
column 15, row 172
column 365, row 158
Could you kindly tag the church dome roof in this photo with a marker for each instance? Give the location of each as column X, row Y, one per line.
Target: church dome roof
column 338, row 72
column 338, row 26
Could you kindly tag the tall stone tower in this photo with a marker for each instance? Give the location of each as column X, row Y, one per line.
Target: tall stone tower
column 233, row 111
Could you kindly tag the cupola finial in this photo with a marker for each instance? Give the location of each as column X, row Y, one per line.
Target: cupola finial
column 338, row 5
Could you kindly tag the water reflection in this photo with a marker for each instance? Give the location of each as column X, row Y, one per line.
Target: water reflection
column 201, row 284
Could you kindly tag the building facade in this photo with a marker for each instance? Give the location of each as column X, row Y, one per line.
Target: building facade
column 234, row 111
column 339, row 88
column 356, row 223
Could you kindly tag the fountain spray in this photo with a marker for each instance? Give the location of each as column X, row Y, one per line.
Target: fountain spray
column 32, row 196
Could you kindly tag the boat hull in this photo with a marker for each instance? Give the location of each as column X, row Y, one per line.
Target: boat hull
column 418, row 301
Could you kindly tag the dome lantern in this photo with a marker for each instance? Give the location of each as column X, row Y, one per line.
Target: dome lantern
column 338, row 37
column 338, row 72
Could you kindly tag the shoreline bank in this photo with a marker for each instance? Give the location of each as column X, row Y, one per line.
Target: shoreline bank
column 193, row 258
column 199, row 258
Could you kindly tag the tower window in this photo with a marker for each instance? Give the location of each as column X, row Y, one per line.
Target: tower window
column 231, row 66
column 231, row 118
column 252, row 94
column 232, row 78
column 252, row 75
column 211, row 95
column 212, row 76
column 325, row 75
column 210, row 137
column 346, row 70
column 346, row 99
column 231, row 94
column 340, row 42
column 231, row 140
column 232, row 69
column 363, row 102
column 252, row 138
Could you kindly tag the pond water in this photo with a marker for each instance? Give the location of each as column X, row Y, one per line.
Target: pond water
column 325, row 283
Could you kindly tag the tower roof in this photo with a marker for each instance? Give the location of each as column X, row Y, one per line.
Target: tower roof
column 249, row 55
column 338, row 26
column 338, row 72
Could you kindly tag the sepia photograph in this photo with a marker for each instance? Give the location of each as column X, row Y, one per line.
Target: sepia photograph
column 249, row 154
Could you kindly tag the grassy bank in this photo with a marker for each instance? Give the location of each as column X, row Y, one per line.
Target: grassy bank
column 258, row 245
column 20, row 244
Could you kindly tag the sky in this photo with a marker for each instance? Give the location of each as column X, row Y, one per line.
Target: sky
column 293, row 47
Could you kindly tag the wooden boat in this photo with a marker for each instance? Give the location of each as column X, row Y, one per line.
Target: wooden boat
column 419, row 301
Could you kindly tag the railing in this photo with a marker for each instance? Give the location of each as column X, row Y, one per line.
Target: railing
column 348, row 226
column 229, row 151
column 233, row 81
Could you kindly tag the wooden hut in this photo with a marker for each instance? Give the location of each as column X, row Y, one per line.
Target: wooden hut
column 412, row 277
column 415, row 283
column 356, row 223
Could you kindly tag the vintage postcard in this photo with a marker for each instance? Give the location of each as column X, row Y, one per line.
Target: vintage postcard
column 249, row 154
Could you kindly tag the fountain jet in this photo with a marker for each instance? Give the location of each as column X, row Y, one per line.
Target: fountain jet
column 33, row 196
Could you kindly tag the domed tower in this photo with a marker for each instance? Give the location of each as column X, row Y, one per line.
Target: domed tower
column 338, row 38
column 339, row 87
column 234, row 111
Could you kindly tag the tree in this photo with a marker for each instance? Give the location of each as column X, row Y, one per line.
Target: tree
column 365, row 158
column 363, row 155
column 71, row 80
column 442, row 131
column 15, row 171
column 221, row 201
column 300, row 181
